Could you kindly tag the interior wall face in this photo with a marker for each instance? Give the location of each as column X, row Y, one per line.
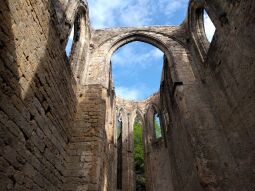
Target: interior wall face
column 229, row 78
column 127, row 111
column 156, row 155
column 231, row 83
column 92, row 155
column 37, row 98
column 57, row 115
column 157, row 169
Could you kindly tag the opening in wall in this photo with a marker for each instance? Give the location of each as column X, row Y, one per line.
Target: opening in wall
column 157, row 127
column 70, row 42
column 119, row 151
column 137, row 68
column 140, row 179
column 202, row 28
column 208, row 26
column 77, row 33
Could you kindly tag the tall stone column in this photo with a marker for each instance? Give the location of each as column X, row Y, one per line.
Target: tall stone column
column 127, row 155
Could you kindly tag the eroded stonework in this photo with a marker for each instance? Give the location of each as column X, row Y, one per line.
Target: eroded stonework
column 58, row 115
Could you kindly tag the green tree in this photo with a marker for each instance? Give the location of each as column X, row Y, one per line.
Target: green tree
column 139, row 156
column 138, row 148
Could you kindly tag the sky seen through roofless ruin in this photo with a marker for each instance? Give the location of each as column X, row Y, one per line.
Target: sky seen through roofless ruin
column 137, row 66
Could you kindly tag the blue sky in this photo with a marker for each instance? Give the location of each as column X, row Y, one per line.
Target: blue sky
column 137, row 66
column 137, row 70
column 115, row 13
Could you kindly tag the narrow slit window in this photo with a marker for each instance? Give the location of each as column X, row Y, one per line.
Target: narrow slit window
column 157, row 127
column 119, row 152
column 209, row 27
column 70, row 43
column 76, row 33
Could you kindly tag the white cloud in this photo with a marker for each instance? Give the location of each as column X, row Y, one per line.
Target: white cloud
column 123, row 55
column 209, row 27
column 114, row 13
column 129, row 57
column 157, row 53
column 169, row 7
column 128, row 93
column 139, row 91
column 137, row 14
column 72, row 33
column 102, row 12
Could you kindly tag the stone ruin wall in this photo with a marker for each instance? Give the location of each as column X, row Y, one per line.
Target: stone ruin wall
column 57, row 115
column 37, row 97
column 157, row 169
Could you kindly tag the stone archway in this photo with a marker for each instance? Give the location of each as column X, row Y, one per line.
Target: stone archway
column 107, row 41
column 103, row 44
column 155, row 152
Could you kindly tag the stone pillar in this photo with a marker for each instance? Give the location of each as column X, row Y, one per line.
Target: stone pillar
column 127, row 154
column 88, row 149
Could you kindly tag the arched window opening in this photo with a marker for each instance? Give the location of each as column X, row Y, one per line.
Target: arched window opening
column 139, row 156
column 201, row 27
column 119, row 150
column 157, row 127
column 119, row 127
column 77, row 31
column 208, row 26
column 70, row 43
column 137, row 69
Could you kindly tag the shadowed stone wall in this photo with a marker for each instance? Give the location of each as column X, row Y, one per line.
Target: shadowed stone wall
column 58, row 114
column 37, row 97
